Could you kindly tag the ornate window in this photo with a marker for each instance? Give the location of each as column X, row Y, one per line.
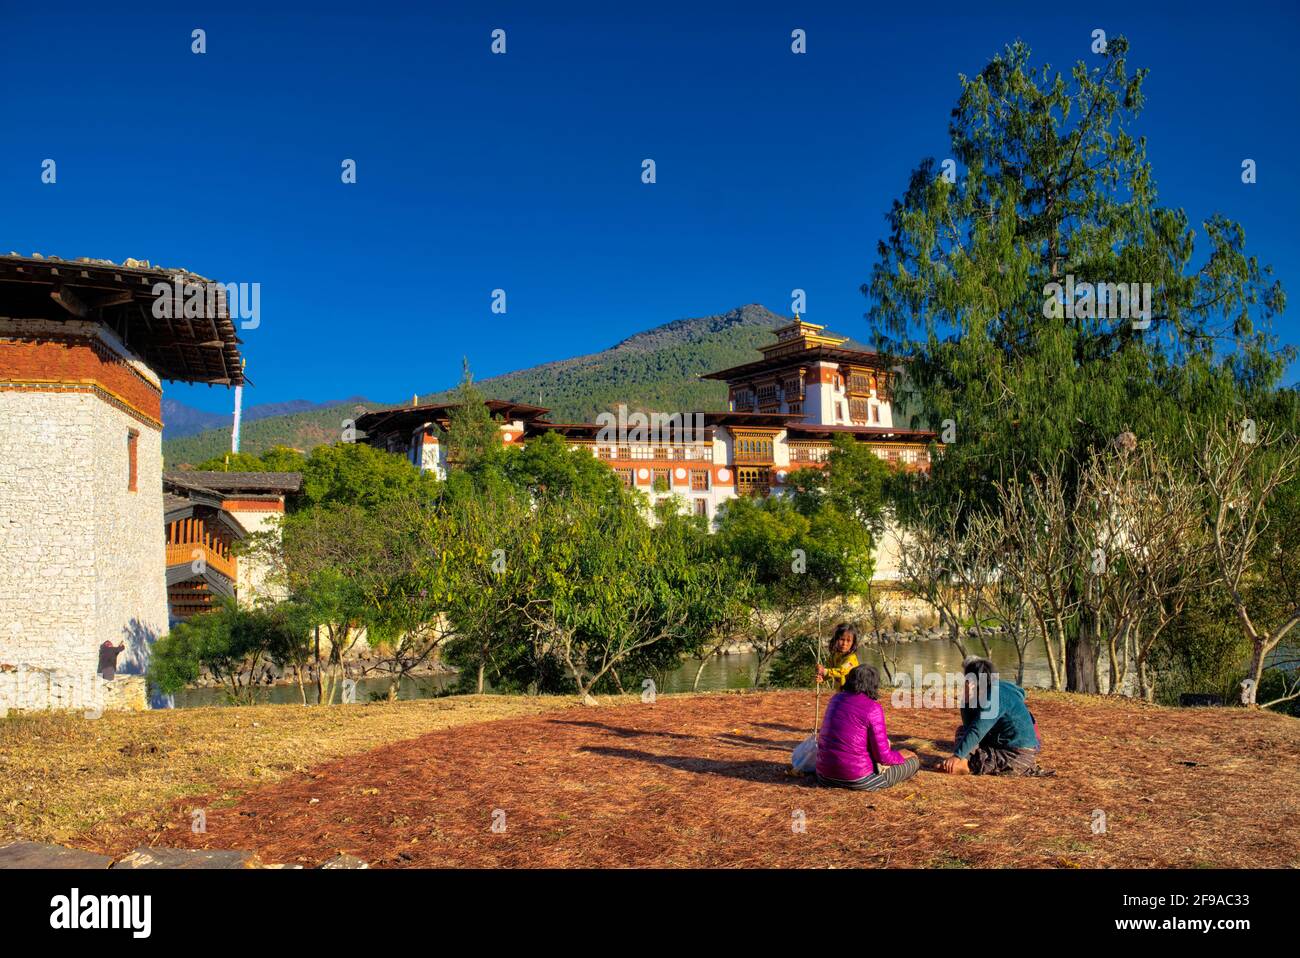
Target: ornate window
column 861, row 382
column 753, row 481
column 750, row 447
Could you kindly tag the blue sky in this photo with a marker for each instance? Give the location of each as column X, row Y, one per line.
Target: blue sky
column 523, row 172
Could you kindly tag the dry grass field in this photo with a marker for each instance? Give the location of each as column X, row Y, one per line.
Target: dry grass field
column 686, row 781
column 61, row 774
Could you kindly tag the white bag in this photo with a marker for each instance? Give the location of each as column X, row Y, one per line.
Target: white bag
column 804, row 758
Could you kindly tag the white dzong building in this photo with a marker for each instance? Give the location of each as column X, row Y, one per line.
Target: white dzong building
column 784, row 411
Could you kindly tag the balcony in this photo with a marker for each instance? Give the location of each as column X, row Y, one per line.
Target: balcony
column 752, row 449
column 645, row 452
column 905, row 458
column 753, row 482
column 861, row 385
column 186, row 553
column 805, row 452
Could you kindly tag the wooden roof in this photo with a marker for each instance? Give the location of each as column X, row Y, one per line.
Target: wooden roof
column 239, row 483
column 198, row 350
column 406, row 418
column 802, row 357
column 770, row 420
column 864, row 433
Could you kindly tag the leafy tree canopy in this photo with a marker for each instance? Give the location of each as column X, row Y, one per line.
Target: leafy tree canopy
column 358, row 474
column 1053, row 183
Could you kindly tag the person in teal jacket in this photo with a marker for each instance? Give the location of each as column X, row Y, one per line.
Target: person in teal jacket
column 998, row 735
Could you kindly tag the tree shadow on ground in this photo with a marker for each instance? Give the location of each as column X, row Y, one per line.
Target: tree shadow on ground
column 623, row 732
column 778, row 727
column 738, row 740
column 755, row 770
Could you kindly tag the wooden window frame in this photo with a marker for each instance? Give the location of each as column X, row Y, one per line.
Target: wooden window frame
column 133, row 460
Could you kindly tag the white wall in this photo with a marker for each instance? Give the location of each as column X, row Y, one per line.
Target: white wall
column 81, row 557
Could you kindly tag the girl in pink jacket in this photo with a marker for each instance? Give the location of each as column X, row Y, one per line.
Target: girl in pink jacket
column 852, row 747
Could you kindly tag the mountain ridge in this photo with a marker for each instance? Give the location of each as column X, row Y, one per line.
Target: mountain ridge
column 180, row 420
column 655, row 369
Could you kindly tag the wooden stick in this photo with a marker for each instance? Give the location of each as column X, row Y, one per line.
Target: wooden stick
column 817, row 700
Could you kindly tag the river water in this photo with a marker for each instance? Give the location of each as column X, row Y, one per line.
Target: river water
column 720, row 672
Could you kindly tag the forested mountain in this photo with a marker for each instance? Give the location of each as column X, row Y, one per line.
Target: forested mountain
column 180, row 420
column 303, row 430
column 658, row 369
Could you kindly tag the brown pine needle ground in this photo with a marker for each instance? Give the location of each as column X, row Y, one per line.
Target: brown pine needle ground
column 701, row 781
column 61, row 774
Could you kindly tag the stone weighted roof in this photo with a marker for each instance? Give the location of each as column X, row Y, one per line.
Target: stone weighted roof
column 236, row 482
column 202, row 349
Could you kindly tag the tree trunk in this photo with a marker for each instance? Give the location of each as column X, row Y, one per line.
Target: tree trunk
column 482, row 666
column 1144, row 681
column 1256, row 673
column 1113, row 657
column 954, row 636
column 1049, row 644
column 1081, row 658
column 695, row 686
column 320, row 672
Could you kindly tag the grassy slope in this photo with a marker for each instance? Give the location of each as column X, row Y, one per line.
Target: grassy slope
column 61, row 774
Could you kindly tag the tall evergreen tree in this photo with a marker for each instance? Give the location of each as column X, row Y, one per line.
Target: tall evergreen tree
column 1051, row 191
column 472, row 435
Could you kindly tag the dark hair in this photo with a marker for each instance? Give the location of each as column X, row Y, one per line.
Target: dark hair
column 982, row 669
column 985, row 675
column 842, row 629
column 863, row 679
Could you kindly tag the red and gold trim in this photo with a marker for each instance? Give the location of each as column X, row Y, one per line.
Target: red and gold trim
column 253, row 505
column 78, row 364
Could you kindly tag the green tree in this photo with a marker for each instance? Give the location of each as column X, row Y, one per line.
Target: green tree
column 355, row 573
column 289, row 643
column 360, row 475
column 492, row 558
column 613, row 587
column 472, row 435
column 547, row 467
column 283, row 459
column 233, row 462
column 275, row 459
column 798, row 560
column 853, row 481
column 229, row 641
column 1053, row 188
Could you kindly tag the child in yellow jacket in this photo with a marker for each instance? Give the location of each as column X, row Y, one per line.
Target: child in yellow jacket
column 844, row 657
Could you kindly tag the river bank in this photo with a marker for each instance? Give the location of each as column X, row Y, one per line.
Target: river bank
column 732, row 669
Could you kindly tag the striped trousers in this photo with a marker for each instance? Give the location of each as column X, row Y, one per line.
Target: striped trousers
column 885, row 776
